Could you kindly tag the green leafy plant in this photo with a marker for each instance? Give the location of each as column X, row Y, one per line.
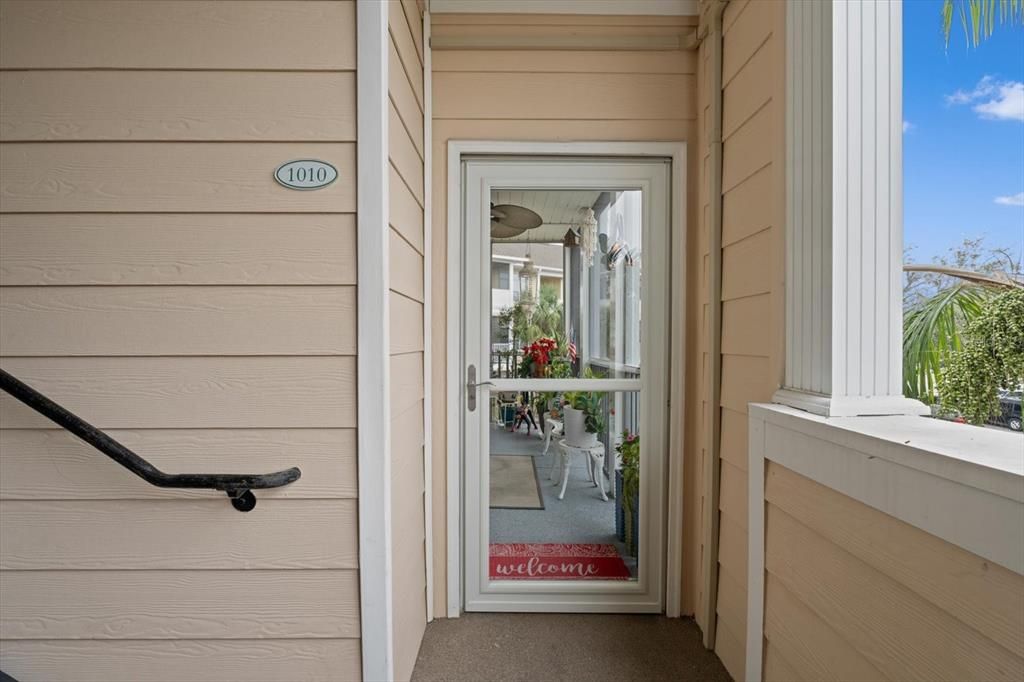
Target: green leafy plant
column 932, row 333
column 991, row 357
column 588, row 402
column 629, row 467
column 530, row 323
column 559, row 368
column 940, row 299
column 979, row 17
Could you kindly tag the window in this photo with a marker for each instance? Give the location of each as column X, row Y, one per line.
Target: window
column 500, row 337
column 500, row 276
column 614, row 283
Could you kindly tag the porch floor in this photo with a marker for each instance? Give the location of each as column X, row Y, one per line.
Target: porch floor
column 539, row 647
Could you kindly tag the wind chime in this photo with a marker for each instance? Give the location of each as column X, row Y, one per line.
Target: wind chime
column 586, row 227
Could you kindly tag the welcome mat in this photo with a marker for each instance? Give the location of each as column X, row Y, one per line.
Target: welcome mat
column 548, row 561
column 514, row 483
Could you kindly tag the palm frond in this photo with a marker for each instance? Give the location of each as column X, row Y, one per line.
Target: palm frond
column 932, row 331
column 980, row 17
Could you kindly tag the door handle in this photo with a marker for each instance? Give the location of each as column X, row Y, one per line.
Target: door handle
column 471, row 386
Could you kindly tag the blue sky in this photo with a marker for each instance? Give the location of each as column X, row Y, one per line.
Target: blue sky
column 963, row 143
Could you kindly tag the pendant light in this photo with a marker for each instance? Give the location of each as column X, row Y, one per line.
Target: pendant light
column 528, row 285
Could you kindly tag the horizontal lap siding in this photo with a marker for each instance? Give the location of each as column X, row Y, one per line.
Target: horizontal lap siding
column 563, row 95
column 752, row 230
column 177, row 249
column 156, row 177
column 156, row 280
column 852, row 593
column 176, row 105
column 406, row 264
column 267, row 660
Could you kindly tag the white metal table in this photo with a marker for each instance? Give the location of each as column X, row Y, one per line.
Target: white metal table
column 554, row 428
column 595, row 465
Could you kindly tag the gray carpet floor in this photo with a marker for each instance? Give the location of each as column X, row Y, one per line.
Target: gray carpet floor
column 582, row 517
column 533, row 647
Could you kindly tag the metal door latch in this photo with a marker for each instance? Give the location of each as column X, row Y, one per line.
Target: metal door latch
column 471, row 386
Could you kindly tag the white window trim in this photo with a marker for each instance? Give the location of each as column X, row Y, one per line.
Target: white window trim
column 428, row 352
column 674, row 521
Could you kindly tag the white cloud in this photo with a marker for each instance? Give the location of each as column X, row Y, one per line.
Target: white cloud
column 1012, row 200
column 992, row 99
column 907, row 126
column 1007, row 105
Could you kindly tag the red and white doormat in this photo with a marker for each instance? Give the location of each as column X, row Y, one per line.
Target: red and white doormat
column 545, row 561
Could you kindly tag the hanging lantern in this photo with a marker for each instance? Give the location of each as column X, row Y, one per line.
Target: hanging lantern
column 529, row 284
column 586, row 226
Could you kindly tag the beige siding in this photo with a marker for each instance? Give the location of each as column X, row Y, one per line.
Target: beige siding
column 157, row 281
column 405, row 145
column 854, row 594
column 752, row 268
column 562, row 96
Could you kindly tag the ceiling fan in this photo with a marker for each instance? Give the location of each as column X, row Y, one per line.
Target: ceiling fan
column 509, row 220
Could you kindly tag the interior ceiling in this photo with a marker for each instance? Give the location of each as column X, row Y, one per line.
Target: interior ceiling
column 558, row 208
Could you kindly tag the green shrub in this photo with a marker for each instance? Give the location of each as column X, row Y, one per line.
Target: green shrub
column 992, row 357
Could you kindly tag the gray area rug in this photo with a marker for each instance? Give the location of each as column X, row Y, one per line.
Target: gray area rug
column 514, row 483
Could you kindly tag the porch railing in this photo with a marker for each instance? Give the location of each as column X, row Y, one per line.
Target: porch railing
column 238, row 487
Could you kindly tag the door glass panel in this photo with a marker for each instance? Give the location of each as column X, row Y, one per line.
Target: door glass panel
column 561, row 491
column 566, row 283
column 564, row 485
column 565, row 271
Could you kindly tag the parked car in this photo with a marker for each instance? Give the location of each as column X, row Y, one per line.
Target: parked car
column 1009, row 411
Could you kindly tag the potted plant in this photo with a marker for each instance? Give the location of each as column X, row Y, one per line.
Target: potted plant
column 537, row 357
column 627, row 486
column 583, row 418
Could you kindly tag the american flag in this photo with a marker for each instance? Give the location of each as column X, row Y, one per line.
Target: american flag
column 572, row 345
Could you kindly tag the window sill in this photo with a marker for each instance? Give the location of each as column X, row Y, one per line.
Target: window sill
column 990, row 459
column 962, row 483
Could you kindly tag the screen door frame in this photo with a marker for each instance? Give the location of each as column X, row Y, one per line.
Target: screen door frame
column 608, row 166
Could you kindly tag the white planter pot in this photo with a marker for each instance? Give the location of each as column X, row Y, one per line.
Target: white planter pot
column 575, row 428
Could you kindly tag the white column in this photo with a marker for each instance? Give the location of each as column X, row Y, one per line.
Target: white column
column 844, row 223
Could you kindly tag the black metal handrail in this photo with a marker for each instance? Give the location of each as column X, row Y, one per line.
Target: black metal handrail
column 238, row 487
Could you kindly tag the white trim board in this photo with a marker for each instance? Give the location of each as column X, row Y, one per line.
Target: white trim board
column 373, row 362
column 676, row 151
column 428, row 352
column 962, row 484
column 611, row 7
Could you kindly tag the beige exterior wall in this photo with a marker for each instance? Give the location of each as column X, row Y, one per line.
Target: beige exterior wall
column 854, row 594
column 753, row 233
column 159, row 283
column 552, row 95
column 405, row 144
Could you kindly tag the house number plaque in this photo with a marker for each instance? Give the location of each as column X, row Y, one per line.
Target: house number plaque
column 305, row 174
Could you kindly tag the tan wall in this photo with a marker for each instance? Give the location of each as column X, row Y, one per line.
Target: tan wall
column 753, row 234
column 158, row 282
column 559, row 96
column 854, row 594
column 405, row 143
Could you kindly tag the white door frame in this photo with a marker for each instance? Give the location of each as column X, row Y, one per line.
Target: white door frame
column 676, row 151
